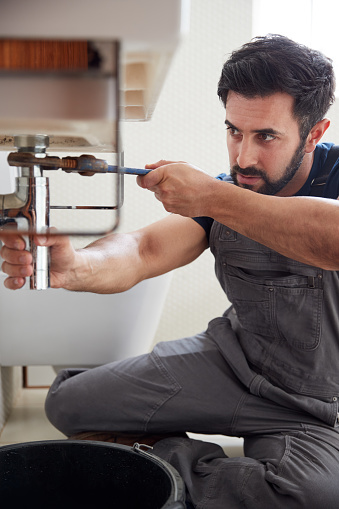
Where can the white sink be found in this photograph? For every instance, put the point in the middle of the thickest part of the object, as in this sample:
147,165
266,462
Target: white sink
57,327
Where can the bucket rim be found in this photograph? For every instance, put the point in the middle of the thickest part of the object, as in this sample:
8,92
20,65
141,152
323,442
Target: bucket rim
177,484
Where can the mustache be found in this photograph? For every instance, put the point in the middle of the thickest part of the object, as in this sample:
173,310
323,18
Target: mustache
250,171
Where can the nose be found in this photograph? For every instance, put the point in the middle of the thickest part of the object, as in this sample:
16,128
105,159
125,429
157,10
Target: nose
248,154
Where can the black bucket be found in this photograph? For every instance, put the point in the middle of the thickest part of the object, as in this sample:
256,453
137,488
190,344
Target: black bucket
84,474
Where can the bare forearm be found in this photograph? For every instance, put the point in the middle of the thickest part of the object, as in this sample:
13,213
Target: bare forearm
303,228
109,265
112,264
116,263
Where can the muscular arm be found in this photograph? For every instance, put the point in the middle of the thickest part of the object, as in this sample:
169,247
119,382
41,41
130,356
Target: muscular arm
114,263
303,228
119,261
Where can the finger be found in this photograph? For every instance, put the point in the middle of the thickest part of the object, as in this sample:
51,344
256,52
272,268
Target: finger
162,162
13,241
14,283
151,180
20,271
16,257
140,181
153,166
50,239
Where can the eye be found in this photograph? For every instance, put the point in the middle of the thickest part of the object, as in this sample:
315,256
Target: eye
232,130
266,137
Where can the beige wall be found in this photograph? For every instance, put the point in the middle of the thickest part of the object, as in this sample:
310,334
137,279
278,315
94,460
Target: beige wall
188,125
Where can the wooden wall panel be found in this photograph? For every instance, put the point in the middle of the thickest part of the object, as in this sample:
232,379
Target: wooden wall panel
43,55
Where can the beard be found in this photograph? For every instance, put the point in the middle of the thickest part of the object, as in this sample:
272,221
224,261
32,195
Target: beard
271,187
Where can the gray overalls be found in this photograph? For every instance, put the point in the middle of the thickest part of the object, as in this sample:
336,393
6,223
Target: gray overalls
268,370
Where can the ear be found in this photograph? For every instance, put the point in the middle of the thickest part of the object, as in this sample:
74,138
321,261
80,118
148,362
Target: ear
315,134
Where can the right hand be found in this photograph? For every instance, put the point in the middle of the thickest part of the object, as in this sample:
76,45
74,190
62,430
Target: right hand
18,262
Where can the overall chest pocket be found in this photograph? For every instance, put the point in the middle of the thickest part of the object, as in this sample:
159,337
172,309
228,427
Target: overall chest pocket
285,308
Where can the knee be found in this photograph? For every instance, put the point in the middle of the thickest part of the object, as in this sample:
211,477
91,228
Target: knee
61,402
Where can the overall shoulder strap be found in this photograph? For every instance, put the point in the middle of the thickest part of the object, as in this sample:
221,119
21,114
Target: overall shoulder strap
318,184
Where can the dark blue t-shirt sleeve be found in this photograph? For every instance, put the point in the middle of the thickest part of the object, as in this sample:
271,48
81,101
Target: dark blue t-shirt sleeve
205,223
332,184
331,190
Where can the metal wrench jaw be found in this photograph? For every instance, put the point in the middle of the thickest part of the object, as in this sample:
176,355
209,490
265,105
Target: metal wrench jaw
86,165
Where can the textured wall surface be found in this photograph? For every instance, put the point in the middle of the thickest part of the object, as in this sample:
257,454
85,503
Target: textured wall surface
10,383
188,125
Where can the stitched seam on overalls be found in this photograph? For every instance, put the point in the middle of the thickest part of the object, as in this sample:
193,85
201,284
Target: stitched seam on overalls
286,455
175,388
248,471
243,476
210,489
236,412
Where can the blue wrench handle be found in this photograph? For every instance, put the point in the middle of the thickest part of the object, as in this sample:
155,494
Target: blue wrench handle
128,171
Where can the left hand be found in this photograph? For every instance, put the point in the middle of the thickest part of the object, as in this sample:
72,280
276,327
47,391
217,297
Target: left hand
182,188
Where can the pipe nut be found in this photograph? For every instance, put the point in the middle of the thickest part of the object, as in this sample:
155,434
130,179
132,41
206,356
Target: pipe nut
35,143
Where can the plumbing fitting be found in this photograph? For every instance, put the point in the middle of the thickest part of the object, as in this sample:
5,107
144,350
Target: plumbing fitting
28,207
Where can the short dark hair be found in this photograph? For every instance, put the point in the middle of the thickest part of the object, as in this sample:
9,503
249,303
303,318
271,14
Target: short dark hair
275,63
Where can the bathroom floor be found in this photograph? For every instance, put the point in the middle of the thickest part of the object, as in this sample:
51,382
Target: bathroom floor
28,423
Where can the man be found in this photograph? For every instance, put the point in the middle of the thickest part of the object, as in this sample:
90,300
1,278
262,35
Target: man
268,369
